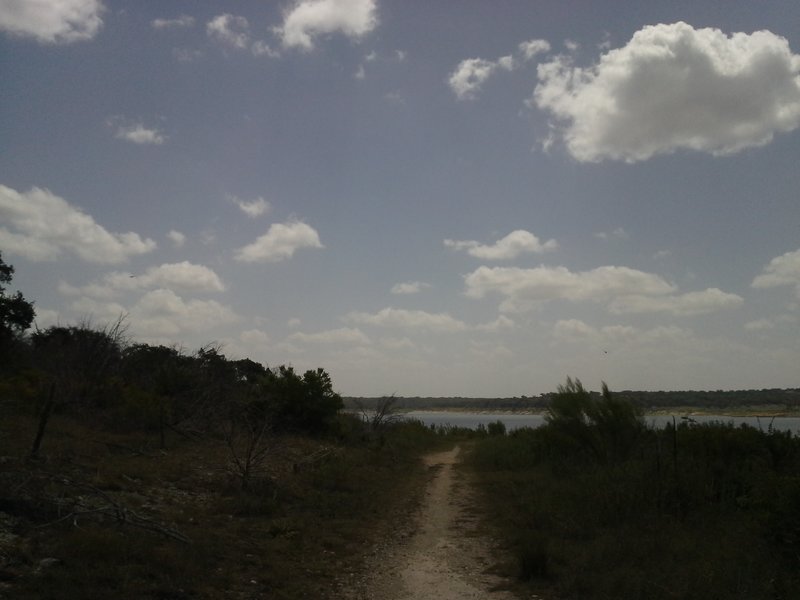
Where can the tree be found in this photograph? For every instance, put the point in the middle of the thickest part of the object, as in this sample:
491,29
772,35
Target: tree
302,404
16,314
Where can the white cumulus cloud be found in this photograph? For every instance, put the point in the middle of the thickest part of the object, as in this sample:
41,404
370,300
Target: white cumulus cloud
40,226
280,242
511,246
674,87
308,19
52,21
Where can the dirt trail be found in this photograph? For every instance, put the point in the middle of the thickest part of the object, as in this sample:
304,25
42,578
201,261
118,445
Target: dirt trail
440,553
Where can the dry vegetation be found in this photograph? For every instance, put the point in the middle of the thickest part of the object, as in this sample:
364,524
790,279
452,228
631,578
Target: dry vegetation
595,505
110,514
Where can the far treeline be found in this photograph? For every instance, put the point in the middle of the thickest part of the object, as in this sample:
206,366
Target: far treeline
788,399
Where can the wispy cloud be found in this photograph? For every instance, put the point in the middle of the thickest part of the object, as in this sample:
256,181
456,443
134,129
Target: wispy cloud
180,22
343,335
469,76
252,208
233,32
180,276
409,287
409,319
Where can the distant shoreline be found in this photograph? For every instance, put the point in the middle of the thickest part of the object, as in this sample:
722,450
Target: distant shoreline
660,411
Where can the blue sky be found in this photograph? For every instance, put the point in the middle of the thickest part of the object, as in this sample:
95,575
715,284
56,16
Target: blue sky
424,198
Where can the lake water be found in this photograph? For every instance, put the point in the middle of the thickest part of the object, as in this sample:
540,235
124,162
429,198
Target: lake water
515,420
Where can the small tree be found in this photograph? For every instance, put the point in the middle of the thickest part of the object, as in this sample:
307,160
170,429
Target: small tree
381,416
249,437
605,427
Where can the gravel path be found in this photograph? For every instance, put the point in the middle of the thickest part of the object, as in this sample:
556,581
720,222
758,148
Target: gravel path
438,553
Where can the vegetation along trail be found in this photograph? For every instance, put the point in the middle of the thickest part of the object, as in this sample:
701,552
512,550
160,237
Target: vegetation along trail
442,553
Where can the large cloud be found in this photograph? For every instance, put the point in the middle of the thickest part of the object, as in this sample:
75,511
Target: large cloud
39,226
523,289
511,246
280,242
409,319
671,87
781,270
310,18
52,21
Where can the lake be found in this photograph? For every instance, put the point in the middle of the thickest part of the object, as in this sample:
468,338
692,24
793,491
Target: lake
513,421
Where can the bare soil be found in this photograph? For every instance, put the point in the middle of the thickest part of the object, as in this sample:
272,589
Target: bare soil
439,550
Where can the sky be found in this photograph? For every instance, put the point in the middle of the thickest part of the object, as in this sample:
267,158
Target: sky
425,198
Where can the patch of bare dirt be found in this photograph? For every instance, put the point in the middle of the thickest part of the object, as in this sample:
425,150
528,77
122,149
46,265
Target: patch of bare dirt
440,552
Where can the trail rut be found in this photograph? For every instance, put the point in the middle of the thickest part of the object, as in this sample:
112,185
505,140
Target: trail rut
439,553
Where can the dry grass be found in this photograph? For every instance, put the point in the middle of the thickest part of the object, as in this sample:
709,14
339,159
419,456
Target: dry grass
289,536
